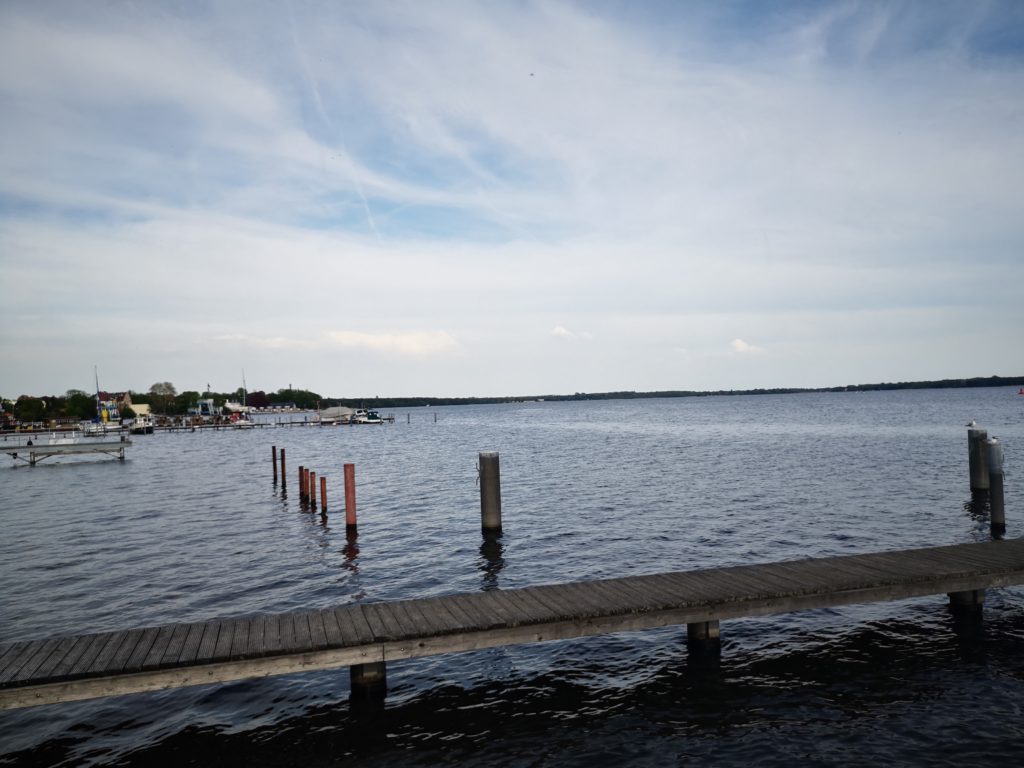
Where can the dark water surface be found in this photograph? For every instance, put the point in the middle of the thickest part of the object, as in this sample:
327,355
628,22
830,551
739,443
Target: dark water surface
190,527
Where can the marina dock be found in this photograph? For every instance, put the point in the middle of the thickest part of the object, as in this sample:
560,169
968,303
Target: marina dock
366,636
33,453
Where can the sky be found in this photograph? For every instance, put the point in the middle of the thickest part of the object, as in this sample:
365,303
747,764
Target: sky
509,198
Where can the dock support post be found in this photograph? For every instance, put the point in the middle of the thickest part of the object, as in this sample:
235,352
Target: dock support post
490,492
970,601
369,682
350,498
283,474
976,439
273,460
302,483
312,490
704,637
323,496
997,514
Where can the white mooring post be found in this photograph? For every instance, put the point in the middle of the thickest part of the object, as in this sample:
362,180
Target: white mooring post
976,458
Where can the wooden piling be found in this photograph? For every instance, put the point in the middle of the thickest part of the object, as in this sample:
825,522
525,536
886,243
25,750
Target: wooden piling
283,474
323,496
273,460
997,513
369,682
703,637
302,482
976,439
312,489
490,491
350,497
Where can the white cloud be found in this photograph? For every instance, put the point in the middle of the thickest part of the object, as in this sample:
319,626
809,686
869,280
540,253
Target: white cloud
561,332
740,347
412,343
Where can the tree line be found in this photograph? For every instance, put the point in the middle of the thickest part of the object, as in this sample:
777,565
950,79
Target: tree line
163,398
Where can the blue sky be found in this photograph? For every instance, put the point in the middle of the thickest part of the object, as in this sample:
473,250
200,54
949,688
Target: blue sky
463,198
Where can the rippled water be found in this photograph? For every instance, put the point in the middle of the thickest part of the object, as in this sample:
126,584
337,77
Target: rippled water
191,527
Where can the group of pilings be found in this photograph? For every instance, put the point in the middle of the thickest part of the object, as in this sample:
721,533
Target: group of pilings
308,488
985,459
369,681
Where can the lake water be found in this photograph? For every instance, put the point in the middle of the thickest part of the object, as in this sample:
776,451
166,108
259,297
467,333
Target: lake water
191,527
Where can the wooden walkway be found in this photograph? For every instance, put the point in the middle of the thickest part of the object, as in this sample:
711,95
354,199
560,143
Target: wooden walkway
367,634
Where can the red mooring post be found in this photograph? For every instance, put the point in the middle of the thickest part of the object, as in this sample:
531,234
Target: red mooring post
350,497
323,496
283,475
312,489
273,460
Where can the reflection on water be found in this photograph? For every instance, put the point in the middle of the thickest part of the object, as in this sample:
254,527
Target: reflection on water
491,561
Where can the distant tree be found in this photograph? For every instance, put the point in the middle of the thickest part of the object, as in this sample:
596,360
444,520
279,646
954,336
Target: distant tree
257,399
29,409
127,412
163,392
183,402
79,405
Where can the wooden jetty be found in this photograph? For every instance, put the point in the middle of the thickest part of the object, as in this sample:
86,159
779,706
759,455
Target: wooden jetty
365,636
32,454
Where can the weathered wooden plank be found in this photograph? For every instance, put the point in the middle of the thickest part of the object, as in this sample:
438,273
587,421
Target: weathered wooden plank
175,645
317,634
240,638
493,600
461,620
193,641
413,618
302,637
150,637
208,644
257,629
101,663
64,665
354,629
286,625
42,652
555,599
479,612
531,610
272,635
381,620
332,629
96,645
128,646
224,639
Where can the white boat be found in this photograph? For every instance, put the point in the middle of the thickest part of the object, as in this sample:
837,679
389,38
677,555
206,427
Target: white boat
338,414
242,421
142,425
364,416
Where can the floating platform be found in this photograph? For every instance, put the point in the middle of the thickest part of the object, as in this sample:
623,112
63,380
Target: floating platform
32,454
365,636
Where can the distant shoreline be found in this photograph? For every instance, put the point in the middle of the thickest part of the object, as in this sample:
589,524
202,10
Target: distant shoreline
407,402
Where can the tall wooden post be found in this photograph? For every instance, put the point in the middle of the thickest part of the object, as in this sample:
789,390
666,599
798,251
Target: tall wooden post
312,489
273,460
350,497
323,496
997,513
976,457
490,492
283,473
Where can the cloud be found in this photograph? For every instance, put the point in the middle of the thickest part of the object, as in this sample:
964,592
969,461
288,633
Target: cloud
561,332
411,344
740,347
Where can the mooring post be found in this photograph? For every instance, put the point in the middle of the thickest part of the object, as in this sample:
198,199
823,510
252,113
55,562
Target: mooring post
302,482
312,490
369,682
976,439
490,491
323,496
350,497
283,475
997,514
273,460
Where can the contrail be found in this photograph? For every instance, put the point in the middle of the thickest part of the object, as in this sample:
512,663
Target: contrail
311,84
